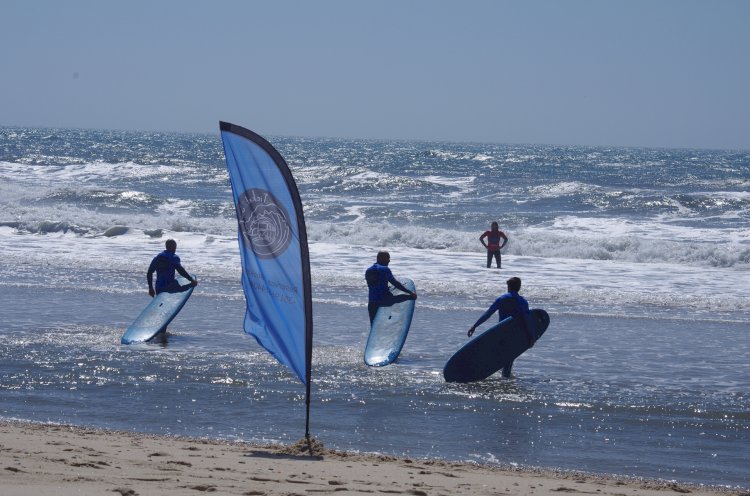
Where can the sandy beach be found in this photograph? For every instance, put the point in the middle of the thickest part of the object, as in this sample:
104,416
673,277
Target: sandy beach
38,459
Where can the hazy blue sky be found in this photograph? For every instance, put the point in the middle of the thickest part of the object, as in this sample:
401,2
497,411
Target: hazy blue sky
637,73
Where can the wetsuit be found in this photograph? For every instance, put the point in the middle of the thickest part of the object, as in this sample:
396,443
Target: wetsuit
510,304
165,264
377,277
493,246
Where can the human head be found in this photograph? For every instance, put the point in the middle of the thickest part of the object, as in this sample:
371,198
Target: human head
494,226
384,257
514,284
171,245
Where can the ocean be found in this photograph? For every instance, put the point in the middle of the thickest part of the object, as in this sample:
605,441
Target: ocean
640,256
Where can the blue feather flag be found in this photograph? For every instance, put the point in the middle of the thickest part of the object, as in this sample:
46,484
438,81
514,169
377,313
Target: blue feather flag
273,247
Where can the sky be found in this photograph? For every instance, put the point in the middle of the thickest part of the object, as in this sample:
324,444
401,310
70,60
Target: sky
654,73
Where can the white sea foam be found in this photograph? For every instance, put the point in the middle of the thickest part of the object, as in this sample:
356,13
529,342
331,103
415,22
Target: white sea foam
451,279
621,246
560,189
85,172
462,185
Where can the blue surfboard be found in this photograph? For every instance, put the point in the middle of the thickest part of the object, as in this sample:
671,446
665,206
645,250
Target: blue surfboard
389,330
157,315
495,348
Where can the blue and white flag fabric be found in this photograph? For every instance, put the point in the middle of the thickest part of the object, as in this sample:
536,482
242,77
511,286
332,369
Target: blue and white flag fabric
273,247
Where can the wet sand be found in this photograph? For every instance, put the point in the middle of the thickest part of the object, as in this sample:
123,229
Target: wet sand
42,459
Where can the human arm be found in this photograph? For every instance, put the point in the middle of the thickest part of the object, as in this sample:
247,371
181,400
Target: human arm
524,315
481,239
401,287
389,277
150,278
486,315
505,239
181,270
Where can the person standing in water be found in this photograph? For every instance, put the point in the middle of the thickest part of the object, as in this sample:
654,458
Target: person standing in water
494,235
378,275
165,264
510,304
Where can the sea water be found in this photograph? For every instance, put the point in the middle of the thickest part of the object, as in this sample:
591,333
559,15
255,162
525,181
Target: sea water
640,256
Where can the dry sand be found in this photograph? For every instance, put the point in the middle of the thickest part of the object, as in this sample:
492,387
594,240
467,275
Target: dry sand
41,460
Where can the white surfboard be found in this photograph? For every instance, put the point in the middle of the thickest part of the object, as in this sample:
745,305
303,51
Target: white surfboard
389,330
157,315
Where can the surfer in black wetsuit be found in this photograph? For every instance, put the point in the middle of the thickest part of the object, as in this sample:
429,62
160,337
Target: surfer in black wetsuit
510,304
165,264
378,275
494,235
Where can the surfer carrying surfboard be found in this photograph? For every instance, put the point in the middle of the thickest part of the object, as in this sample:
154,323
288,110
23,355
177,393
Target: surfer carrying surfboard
509,304
165,264
494,235
378,275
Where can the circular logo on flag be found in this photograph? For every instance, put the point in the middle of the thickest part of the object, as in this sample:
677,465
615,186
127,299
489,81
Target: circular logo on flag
264,223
